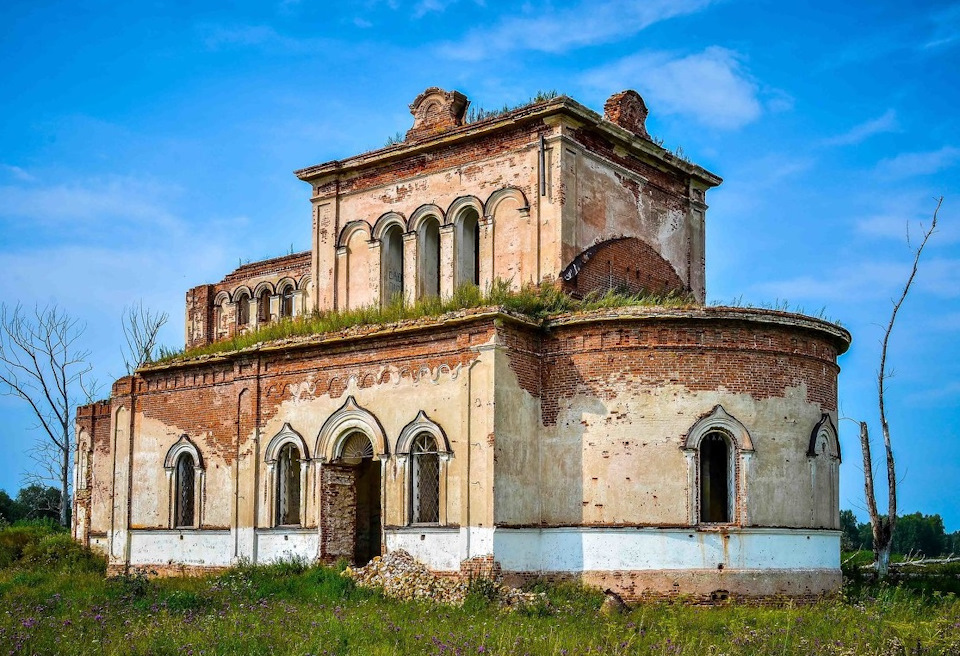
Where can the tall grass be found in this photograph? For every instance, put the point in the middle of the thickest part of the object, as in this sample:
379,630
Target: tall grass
535,302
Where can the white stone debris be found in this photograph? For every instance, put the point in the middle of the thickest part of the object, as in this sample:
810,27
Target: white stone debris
400,576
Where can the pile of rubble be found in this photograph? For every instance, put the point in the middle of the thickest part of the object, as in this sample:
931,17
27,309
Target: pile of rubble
400,576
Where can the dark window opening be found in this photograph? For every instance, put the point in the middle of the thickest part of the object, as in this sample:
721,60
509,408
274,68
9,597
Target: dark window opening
288,486
243,310
264,307
714,480
425,481
185,489
286,302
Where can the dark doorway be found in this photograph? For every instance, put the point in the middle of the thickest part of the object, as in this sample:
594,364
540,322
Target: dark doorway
714,477
367,544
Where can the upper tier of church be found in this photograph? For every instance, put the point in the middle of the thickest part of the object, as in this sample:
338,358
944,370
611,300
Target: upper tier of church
549,192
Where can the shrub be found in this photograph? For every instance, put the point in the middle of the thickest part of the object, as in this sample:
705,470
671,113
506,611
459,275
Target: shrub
14,540
61,553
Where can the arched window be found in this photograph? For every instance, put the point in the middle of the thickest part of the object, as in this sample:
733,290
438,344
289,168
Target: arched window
288,485
718,450
263,307
286,302
468,248
243,309
425,480
391,265
185,494
185,476
714,479
429,256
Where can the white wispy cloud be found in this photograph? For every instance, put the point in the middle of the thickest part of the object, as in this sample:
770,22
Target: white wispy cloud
860,133
18,173
109,200
548,29
221,37
907,165
711,87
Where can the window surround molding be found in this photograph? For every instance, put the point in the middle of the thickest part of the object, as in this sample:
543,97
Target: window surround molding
740,454
287,435
824,439
348,419
420,425
184,446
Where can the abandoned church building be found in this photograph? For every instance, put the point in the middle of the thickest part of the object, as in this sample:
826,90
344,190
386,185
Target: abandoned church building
653,450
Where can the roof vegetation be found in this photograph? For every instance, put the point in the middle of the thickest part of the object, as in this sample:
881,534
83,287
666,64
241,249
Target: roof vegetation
536,303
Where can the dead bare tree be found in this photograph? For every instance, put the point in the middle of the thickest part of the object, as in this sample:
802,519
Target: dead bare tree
140,328
42,363
883,527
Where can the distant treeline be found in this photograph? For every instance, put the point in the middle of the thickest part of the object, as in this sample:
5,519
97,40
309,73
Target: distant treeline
32,502
916,534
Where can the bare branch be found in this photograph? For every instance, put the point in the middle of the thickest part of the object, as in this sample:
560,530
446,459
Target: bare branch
140,328
42,364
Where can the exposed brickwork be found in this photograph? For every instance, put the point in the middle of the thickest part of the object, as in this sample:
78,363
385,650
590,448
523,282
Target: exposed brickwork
338,535
626,264
480,567
627,110
294,265
202,399
761,361
445,156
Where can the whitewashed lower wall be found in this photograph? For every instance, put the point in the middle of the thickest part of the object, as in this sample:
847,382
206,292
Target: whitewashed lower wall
440,549
276,545
578,549
205,548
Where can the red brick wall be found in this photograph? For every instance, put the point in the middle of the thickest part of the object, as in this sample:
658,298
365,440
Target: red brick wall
762,360
627,264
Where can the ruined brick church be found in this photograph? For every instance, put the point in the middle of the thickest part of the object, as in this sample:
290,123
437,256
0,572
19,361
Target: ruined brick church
651,450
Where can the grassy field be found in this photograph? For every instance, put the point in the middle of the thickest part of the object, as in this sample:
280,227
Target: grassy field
54,599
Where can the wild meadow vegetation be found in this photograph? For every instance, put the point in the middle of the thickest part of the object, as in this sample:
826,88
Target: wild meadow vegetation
55,599
533,302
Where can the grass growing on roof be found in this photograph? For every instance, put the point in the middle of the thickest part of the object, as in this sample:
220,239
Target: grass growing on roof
537,303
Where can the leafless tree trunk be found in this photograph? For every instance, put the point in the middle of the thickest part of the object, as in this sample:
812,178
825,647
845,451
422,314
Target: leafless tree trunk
140,328
883,527
42,364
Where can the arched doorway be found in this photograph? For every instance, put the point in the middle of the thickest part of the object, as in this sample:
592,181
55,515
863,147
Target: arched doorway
357,453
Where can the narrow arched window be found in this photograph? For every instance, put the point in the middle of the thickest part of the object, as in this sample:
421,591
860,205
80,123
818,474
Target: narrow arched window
286,302
185,488
714,479
263,306
429,252
243,309
468,248
288,485
391,265
425,481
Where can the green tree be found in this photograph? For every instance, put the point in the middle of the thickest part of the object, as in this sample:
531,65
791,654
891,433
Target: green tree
920,534
39,501
10,510
850,538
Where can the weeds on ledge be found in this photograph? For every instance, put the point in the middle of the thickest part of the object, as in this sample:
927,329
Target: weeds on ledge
535,302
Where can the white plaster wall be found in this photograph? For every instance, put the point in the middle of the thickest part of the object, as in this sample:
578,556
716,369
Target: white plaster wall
617,549
437,548
203,548
278,545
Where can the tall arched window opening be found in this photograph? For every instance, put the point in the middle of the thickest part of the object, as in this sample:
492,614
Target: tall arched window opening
184,515
468,248
425,481
286,302
391,265
714,479
243,309
263,307
288,486
429,252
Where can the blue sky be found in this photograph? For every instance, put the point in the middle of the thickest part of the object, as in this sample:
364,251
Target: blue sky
148,147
